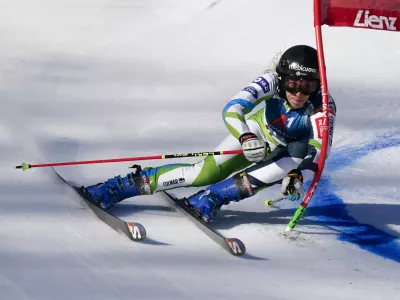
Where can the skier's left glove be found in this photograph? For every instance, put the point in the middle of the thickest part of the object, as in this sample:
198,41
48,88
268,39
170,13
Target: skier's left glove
292,185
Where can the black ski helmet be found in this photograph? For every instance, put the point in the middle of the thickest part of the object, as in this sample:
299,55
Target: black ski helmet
299,61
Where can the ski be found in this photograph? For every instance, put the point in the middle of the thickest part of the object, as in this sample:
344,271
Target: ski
134,231
233,245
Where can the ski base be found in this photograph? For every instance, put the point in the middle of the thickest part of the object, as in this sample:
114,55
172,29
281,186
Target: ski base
134,231
233,245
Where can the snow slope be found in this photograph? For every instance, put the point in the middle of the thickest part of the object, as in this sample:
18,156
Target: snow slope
118,78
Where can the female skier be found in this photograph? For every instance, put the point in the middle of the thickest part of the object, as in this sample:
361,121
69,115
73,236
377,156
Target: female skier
276,120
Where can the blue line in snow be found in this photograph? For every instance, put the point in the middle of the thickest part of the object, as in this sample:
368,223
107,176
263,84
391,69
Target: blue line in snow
330,209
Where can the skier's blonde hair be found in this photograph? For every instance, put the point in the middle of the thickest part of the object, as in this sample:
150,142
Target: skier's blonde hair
274,62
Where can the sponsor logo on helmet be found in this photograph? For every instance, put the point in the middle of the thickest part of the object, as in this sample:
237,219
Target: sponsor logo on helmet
298,73
252,91
263,83
375,22
301,68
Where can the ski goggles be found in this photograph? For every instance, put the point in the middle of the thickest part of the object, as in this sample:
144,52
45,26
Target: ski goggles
295,85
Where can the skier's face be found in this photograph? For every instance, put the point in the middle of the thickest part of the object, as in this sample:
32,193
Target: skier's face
297,100
299,90
294,85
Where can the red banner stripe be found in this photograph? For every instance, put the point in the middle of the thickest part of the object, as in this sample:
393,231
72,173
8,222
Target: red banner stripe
370,4
378,15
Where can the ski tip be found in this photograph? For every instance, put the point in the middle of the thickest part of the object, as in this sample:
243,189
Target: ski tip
236,246
138,232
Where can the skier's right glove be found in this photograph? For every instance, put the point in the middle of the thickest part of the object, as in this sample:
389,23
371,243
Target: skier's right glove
253,148
292,185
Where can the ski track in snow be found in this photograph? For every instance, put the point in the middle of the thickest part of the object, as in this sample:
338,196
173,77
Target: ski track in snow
331,210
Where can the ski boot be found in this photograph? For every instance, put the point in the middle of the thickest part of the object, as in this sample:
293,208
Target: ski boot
208,202
114,190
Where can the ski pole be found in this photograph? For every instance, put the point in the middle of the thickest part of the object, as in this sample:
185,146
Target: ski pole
271,202
25,166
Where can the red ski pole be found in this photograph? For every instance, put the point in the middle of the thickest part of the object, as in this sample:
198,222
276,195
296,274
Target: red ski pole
25,166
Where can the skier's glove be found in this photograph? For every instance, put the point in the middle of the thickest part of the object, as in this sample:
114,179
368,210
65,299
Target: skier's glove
253,148
292,185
